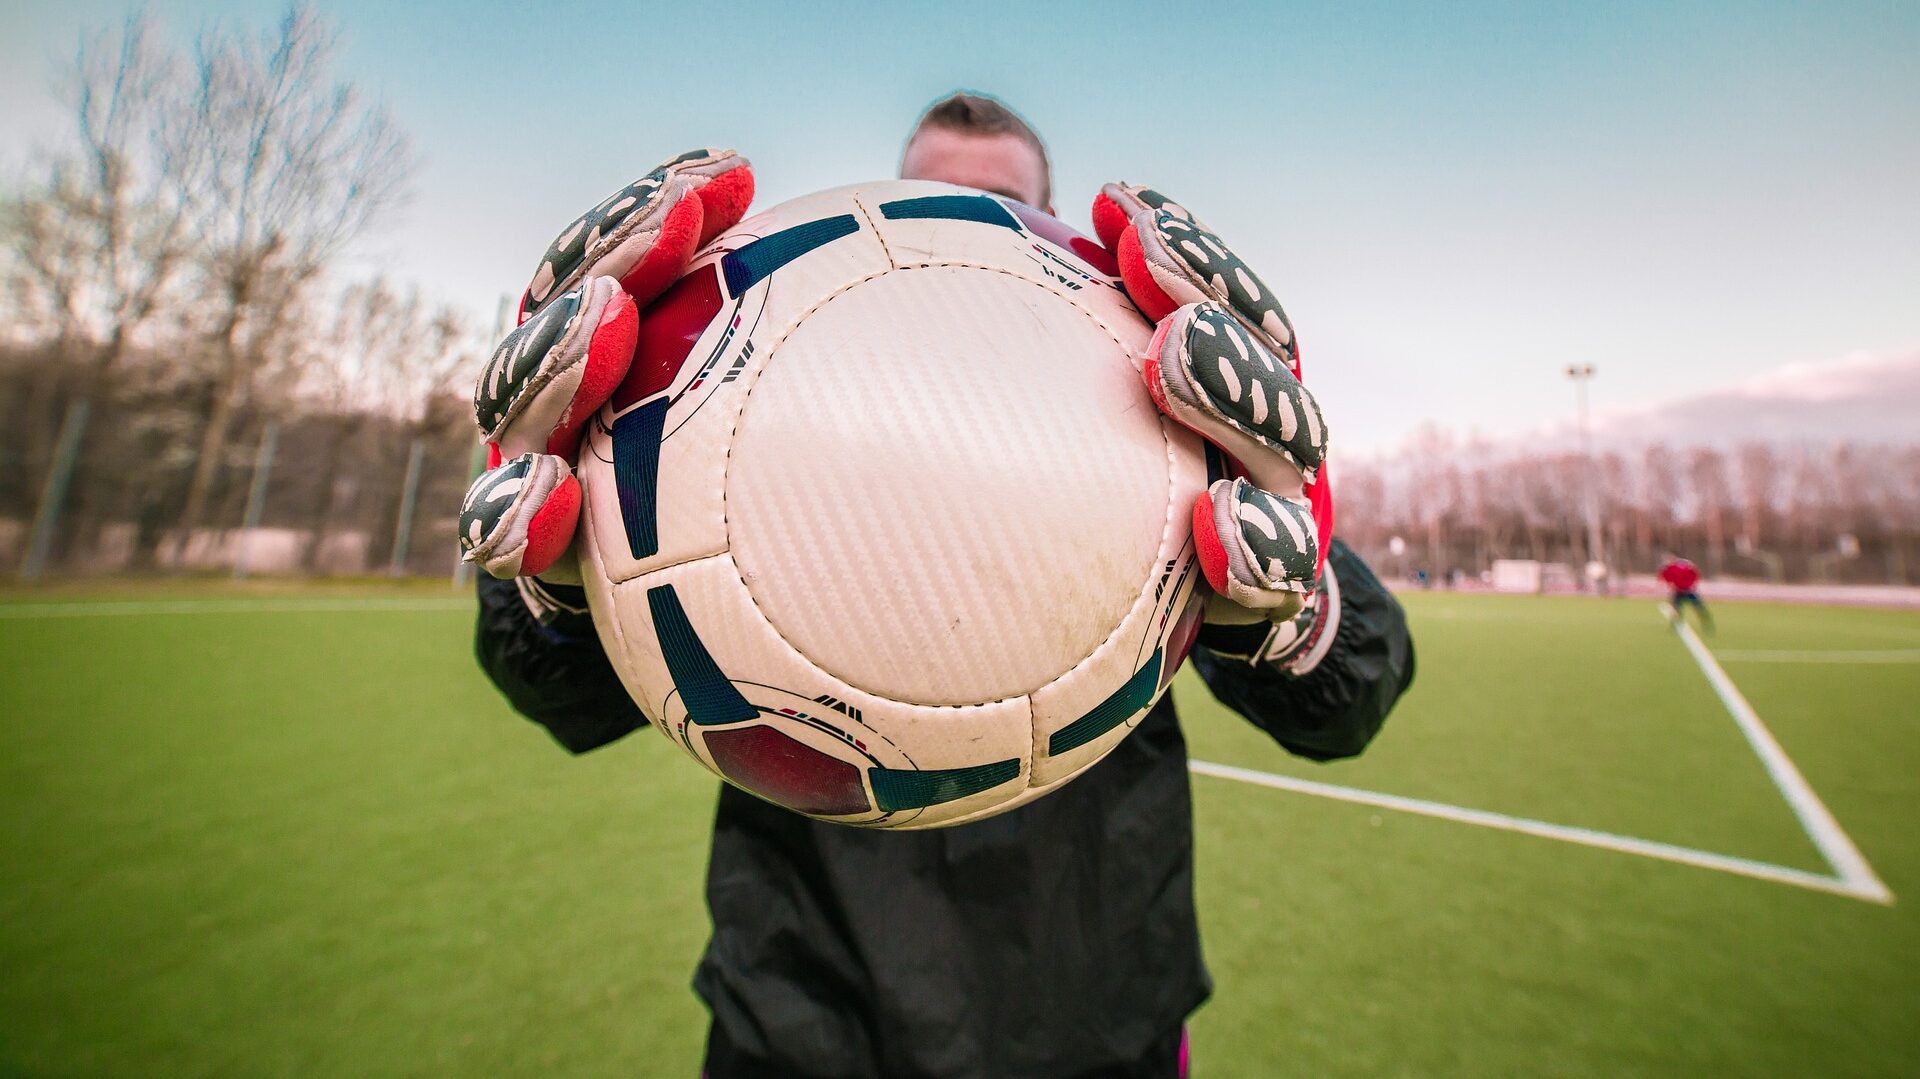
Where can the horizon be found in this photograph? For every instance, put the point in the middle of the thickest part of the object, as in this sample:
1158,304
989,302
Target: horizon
1687,200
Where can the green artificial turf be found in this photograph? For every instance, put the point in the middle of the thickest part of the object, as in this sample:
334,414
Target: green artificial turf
255,838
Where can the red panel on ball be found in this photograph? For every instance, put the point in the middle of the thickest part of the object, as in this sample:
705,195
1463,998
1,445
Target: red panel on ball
1055,231
787,771
1186,630
668,330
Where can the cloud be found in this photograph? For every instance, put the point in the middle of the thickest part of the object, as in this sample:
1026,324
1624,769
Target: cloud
1856,376
1859,397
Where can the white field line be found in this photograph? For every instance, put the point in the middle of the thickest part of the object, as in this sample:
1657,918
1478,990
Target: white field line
1854,877
1837,655
1586,837
126,608
1835,846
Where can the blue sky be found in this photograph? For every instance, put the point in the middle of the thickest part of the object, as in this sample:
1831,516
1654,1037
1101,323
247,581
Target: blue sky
1453,200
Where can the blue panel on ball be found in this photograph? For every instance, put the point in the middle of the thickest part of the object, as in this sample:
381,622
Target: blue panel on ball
759,259
709,697
1218,467
979,208
906,788
636,474
1110,713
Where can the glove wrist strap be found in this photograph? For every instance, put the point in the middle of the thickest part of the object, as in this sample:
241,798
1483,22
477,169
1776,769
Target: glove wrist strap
548,602
1297,646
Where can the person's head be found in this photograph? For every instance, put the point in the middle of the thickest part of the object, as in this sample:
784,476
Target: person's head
975,141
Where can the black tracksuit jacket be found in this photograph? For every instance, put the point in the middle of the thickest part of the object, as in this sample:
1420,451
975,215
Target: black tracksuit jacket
1057,940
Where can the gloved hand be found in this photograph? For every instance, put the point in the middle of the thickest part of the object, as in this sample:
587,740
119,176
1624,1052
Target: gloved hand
1224,363
579,321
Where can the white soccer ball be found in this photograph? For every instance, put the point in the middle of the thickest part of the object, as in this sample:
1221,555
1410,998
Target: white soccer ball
883,526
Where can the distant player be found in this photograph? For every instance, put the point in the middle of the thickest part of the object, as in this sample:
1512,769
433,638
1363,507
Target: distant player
1682,578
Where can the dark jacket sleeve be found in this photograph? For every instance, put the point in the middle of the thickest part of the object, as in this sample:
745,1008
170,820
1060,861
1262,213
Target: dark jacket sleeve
1336,709
555,674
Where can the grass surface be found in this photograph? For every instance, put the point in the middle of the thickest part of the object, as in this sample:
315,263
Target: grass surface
278,841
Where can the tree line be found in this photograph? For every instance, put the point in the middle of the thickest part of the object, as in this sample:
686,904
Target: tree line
1808,511
173,274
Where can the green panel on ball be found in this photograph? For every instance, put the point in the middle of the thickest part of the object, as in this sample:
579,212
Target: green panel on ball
902,788
1129,699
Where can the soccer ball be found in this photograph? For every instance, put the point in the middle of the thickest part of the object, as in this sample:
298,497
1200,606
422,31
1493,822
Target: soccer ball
882,525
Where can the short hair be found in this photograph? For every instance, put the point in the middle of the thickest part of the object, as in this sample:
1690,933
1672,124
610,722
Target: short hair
979,114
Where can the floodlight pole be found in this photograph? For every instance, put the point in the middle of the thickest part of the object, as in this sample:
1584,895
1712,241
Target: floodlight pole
1582,374
502,322
463,569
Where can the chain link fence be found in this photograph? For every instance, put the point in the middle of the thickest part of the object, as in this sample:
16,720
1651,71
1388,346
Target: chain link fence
94,483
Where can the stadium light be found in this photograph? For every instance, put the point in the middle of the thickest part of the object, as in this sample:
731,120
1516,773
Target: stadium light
1582,374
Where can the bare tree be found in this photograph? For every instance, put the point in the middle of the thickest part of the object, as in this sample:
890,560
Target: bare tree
125,93
1707,474
293,168
383,354
1614,480
1778,509
96,245
1759,473
385,350
99,243
1901,509
1664,486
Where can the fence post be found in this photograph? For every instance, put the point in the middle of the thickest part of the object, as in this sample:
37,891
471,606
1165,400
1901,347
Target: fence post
409,492
463,569
503,321
256,496
53,494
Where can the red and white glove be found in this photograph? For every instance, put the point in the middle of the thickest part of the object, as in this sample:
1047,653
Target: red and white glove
1224,363
579,323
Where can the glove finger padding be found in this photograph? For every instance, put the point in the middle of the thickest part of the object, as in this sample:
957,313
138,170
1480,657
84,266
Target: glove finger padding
534,398
1168,258
550,375
1259,544
1256,548
644,234
519,517
1206,370
578,325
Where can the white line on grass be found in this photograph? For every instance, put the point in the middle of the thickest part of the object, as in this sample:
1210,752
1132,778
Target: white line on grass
1853,877
1836,655
1586,837
123,608
1835,846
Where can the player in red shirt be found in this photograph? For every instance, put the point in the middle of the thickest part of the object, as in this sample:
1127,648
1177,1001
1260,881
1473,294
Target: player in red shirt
1683,578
